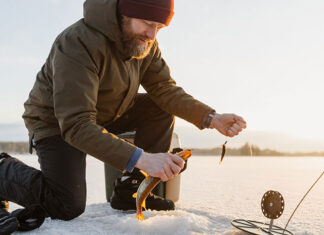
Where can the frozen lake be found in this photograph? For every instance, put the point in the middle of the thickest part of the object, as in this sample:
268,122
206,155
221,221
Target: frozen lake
211,196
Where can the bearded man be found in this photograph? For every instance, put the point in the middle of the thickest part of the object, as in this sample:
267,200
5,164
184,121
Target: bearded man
86,94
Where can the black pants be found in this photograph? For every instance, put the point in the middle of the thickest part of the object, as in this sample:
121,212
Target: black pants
60,187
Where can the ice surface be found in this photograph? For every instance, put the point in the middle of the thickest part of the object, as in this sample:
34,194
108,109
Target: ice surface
211,196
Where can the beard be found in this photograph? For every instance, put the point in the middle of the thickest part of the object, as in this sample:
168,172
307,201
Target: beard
135,45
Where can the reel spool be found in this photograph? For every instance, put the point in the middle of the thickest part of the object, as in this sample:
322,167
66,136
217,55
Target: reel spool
272,206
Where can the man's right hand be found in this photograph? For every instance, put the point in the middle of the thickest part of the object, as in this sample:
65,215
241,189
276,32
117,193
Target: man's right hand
162,165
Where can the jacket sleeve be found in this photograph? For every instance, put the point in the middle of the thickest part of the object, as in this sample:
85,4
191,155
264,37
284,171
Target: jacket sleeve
168,96
75,91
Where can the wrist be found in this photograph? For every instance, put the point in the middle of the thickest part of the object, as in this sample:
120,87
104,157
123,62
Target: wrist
139,163
133,160
211,116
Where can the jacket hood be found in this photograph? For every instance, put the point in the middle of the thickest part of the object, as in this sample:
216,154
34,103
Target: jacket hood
102,16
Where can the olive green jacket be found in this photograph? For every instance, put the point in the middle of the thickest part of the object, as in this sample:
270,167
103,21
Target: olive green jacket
88,82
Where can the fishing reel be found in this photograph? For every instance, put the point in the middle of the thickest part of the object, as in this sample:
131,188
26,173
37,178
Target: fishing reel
272,206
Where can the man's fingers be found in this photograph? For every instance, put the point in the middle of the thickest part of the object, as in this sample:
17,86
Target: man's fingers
177,160
175,169
167,169
236,127
240,121
230,133
163,165
173,166
229,124
234,131
168,173
163,177
238,118
241,124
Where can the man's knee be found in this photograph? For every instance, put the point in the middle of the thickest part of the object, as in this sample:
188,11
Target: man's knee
64,207
71,211
74,213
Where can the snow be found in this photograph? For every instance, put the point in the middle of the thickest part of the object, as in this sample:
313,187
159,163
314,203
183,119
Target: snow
211,196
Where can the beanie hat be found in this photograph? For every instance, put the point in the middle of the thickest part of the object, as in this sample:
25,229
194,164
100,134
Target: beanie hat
154,10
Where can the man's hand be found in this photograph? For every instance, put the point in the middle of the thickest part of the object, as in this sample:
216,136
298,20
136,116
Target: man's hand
228,124
162,165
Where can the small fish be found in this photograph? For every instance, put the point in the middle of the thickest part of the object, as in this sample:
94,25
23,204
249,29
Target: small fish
148,185
223,152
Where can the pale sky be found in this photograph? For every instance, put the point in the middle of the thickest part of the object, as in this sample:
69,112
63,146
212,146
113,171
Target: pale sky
261,59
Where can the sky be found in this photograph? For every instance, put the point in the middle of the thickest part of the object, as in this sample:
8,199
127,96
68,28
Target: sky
263,60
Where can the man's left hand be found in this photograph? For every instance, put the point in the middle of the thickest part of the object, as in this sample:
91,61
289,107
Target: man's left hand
228,124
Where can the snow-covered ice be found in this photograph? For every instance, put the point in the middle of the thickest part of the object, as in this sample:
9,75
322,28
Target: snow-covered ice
211,196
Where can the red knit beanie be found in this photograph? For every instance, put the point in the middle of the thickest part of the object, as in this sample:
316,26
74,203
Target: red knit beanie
154,10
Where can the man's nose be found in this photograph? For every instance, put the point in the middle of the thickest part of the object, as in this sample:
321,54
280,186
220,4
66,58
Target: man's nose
151,33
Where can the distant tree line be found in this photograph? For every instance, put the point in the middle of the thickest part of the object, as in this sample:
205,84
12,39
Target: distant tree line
14,147
251,150
245,150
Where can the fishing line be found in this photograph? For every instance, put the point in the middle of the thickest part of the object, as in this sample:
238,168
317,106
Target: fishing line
261,227
302,201
250,145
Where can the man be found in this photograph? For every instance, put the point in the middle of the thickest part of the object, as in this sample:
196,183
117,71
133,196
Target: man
87,93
